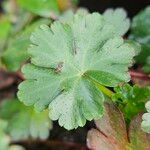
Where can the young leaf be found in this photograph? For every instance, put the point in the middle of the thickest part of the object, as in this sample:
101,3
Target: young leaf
40,7
23,121
67,60
16,53
118,18
131,100
146,118
140,32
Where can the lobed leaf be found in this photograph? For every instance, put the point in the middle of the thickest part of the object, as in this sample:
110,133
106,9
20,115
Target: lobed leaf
68,15
17,47
98,141
140,32
40,7
118,17
23,121
111,133
66,61
139,140
112,124
146,119
5,139
131,100
136,46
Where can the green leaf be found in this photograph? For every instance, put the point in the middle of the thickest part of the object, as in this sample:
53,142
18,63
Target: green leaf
146,118
75,2
118,17
146,67
131,100
68,15
15,147
142,58
136,46
5,139
140,25
5,26
66,61
40,7
140,32
16,52
23,121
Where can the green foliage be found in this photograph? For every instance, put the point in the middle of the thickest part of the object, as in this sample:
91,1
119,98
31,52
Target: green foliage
5,140
23,121
146,118
73,64
118,17
5,26
136,46
62,76
131,100
146,67
16,53
40,7
140,26
140,32
75,2
67,16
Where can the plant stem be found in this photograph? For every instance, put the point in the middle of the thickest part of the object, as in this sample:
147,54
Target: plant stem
105,90
139,75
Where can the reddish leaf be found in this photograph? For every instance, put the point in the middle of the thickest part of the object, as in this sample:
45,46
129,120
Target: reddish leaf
97,141
112,124
139,140
111,133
